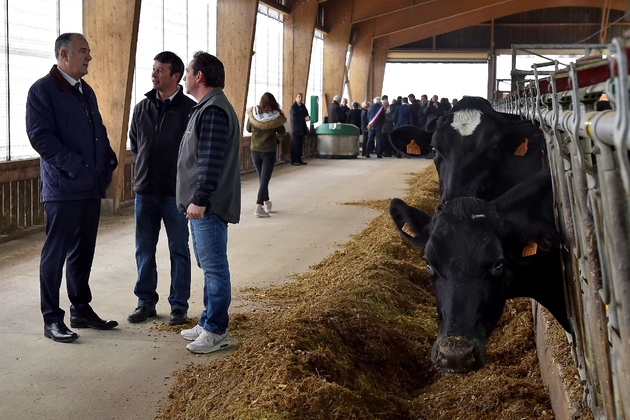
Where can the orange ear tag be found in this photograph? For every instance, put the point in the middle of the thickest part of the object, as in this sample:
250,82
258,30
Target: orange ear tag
413,148
530,249
408,230
522,148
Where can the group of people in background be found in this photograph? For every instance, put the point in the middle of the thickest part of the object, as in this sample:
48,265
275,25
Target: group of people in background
378,119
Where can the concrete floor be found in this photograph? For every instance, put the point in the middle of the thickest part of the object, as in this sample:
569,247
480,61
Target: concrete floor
126,373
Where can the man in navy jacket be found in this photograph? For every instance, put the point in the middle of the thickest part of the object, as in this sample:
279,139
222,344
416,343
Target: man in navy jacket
65,127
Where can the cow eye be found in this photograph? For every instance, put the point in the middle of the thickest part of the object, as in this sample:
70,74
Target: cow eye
497,268
430,269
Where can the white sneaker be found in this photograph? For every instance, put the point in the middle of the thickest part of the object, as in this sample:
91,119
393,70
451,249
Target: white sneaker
267,207
193,333
261,213
208,342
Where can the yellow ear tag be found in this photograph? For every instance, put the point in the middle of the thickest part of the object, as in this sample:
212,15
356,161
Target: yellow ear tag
408,230
530,249
522,148
413,148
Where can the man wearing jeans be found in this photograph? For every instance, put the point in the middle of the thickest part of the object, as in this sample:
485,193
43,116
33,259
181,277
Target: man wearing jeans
156,130
209,194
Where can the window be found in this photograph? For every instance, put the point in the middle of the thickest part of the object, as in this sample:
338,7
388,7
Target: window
266,69
27,44
182,28
316,74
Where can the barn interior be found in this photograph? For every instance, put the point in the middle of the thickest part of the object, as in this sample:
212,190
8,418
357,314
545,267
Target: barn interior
357,39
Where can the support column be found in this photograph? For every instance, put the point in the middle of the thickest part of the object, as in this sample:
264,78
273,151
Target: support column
338,19
299,29
236,28
361,64
381,49
111,28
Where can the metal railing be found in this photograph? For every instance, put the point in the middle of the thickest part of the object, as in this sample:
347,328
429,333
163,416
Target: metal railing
588,153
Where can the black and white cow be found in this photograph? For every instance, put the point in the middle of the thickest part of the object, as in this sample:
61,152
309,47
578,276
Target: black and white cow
481,253
479,152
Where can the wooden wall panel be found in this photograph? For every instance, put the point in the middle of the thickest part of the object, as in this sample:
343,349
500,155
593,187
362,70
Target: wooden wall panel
236,27
299,28
338,20
360,73
111,28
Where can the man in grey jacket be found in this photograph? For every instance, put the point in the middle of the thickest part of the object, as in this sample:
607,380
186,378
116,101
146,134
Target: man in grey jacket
208,192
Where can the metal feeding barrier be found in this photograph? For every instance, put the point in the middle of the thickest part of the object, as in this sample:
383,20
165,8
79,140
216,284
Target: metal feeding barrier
588,154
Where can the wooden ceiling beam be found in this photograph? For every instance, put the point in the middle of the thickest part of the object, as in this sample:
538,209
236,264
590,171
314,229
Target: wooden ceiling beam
450,15
402,30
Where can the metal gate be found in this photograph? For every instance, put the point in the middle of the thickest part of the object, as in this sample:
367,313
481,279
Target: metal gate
588,153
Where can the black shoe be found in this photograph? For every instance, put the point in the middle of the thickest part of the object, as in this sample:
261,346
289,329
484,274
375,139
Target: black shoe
57,331
367,156
379,157
303,163
141,313
296,164
92,321
178,317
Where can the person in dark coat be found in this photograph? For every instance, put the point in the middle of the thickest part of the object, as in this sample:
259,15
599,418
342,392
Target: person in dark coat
65,127
354,115
402,114
364,126
299,117
388,126
155,133
334,111
344,109
375,125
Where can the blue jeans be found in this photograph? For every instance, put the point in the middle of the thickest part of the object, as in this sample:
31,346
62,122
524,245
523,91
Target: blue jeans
264,163
150,210
210,245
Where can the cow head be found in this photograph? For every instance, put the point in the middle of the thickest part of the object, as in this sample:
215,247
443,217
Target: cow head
475,255
479,153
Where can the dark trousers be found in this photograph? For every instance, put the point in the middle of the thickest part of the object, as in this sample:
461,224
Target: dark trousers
388,150
296,148
71,228
264,163
374,135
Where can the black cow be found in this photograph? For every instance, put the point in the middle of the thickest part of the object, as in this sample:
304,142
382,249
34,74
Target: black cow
481,253
479,152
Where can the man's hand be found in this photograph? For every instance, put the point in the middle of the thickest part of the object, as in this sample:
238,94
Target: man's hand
194,212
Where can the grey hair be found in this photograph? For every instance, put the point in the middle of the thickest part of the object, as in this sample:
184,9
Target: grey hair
64,42
377,100
336,98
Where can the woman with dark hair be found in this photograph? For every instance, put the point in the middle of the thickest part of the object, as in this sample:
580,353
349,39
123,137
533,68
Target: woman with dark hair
265,121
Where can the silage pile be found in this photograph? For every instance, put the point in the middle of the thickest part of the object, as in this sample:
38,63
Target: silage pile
352,339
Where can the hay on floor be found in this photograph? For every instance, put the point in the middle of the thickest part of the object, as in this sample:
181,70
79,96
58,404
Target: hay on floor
352,339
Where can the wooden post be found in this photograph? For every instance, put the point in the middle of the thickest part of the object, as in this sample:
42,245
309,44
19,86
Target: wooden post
299,28
338,19
361,64
381,48
236,28
111,28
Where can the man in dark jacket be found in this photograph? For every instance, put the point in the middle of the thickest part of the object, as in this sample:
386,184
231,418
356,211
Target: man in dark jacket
299,129
376,118
334,111
65,127
155,132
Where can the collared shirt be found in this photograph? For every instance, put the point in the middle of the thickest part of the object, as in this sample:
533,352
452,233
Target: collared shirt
71,80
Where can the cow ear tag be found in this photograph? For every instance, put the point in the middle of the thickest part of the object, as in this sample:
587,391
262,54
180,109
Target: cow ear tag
522,148
407,229
413,148
530,249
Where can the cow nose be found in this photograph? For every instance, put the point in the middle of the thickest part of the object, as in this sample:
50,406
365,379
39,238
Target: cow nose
457,354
